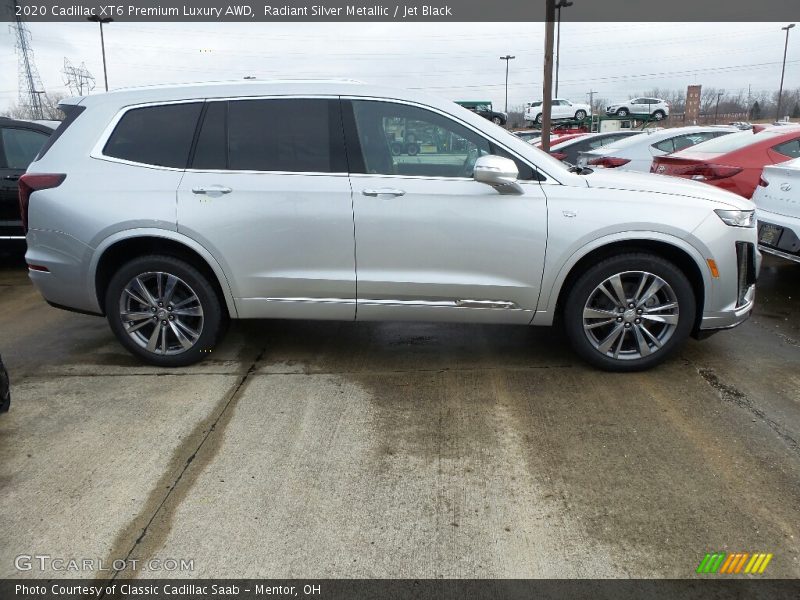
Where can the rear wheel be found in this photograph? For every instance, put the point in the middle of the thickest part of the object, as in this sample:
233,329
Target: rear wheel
580,115
538,119
497,120
164,311
629,312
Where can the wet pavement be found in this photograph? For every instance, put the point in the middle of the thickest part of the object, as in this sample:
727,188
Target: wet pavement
417,450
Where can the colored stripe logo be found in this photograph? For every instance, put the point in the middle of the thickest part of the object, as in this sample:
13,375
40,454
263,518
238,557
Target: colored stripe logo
734,563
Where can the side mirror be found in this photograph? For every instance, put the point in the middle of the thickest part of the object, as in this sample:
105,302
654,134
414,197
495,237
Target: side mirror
499,172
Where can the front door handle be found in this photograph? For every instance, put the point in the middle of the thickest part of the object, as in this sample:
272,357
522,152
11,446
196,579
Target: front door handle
212,190
11,177
383,192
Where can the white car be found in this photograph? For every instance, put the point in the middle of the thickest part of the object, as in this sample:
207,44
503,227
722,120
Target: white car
777,200
562,109
636,153
656,108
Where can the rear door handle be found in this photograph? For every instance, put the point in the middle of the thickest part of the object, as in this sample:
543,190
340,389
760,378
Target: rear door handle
212,190
11,177
383,192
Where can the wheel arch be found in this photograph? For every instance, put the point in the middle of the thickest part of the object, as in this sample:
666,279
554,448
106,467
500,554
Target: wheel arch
684,256
120,248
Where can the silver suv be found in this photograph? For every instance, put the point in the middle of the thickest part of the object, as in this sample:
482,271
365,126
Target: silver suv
172,209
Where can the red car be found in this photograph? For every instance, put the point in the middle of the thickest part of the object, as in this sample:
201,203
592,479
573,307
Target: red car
732,162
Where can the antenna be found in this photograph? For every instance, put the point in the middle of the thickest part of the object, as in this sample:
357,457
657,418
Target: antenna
31,89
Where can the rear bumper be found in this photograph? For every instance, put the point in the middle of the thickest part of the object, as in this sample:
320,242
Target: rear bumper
788,244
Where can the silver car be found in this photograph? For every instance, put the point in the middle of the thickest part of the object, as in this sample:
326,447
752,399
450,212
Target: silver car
171,209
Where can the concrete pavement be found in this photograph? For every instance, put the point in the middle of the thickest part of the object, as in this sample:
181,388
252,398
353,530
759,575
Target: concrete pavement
398,450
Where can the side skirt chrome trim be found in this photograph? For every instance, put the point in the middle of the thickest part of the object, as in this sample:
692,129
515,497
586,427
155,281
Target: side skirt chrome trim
492,304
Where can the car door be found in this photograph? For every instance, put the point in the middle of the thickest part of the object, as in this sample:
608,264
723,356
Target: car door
561,109
432,243
267,193
18,147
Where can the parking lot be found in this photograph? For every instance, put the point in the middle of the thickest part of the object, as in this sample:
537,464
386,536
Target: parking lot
415,450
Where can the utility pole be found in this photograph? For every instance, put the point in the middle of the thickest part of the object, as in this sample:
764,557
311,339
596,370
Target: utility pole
591,94
783,69
507,58
102,21
547,86
716,110
561,4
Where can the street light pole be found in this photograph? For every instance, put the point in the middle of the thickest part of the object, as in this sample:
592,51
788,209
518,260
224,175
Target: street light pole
783,69
102,21
561,4
507,58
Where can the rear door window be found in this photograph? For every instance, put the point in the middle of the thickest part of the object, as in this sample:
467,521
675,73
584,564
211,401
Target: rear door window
790,148
155,135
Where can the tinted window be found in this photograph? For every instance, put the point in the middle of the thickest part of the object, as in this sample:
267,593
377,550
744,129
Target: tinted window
397,139
296,135
212,148
155,135
790,148
20,146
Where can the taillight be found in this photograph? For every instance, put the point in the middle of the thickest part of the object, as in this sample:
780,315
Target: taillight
32,182
609,162
559,155
762,182
707,172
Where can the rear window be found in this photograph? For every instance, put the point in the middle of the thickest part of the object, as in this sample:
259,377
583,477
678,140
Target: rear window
732,142
20,146
155,135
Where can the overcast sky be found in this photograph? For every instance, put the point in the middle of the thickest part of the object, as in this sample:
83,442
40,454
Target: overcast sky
456,61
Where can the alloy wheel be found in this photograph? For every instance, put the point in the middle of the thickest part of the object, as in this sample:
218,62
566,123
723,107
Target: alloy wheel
631,315
161,313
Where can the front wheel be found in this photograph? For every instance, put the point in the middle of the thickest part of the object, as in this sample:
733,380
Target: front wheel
497,120
629,312
659,115
623,112
164,311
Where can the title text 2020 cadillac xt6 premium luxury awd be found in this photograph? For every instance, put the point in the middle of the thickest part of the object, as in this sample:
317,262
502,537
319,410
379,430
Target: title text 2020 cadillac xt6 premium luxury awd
172,209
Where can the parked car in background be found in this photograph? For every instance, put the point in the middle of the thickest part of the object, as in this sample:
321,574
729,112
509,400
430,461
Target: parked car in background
20,141
5,388
171,209
567,150
636,153
528,135
777,200
562,109
557,138
484,109
735,162
655,108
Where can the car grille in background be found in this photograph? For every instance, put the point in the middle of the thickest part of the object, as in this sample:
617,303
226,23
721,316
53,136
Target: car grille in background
746,267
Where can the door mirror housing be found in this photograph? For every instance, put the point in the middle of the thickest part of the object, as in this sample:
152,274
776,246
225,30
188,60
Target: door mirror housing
499,172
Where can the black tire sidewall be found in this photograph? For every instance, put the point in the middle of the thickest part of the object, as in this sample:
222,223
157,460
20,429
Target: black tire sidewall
623,112
589,280
213,318
580,112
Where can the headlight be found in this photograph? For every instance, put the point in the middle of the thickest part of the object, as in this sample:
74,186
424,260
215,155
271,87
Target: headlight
737,218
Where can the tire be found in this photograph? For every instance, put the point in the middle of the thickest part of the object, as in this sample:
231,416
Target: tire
538,119
642,335
580,115
623,112
659,115
412,149
397,148
185,327
497,120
